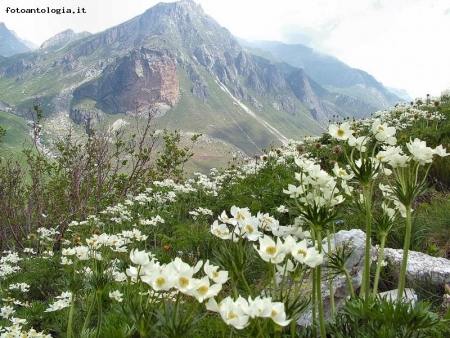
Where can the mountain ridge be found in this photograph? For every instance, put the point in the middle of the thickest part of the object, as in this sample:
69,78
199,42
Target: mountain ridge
180,63
342,79
10,43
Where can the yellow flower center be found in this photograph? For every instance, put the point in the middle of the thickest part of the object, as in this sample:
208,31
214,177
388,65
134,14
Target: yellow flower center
202,289
160,281
380,128
249,228
274,313
340,132
271,250
184,282
240,216
231,315
215,274
301,252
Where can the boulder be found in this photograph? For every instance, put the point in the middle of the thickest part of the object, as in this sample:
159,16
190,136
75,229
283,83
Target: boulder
356,239
421,268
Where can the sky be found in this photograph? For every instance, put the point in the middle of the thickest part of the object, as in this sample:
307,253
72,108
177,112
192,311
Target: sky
403,43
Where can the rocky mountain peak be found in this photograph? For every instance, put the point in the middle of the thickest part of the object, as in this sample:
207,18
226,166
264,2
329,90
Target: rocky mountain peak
63,38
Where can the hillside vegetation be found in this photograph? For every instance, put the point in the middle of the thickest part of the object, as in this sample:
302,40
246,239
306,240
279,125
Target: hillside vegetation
108,238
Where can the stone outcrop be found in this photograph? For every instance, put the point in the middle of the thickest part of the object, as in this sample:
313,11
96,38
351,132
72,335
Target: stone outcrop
136,82
303,88
421,268
356,240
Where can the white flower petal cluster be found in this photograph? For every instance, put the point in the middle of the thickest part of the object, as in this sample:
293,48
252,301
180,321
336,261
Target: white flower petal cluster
62,302
116,295
176,275
17,331
237,313
340,131
383,132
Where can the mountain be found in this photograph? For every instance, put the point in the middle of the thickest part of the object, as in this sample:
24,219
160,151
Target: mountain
401,93
330,72
62,39
179,62
10,44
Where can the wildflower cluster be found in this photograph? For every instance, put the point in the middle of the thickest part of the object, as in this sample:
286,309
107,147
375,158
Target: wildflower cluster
176,275
237,313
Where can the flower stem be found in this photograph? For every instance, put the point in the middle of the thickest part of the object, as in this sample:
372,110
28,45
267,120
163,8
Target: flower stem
88,316
69,324
401,282
349,283
319,288
380,259
365,286
333,308
99,315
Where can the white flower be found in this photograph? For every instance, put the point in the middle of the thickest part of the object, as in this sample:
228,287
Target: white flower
249,229
203,290
116,295
269,251
359,143
383,133
420,152
305,255
219,277
58,305
7,311
220,230
234,313
139,257
278,314
294,191
259,307
282,209
339,172
341,131
441,151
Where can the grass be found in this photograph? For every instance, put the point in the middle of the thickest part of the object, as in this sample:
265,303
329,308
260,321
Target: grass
17,135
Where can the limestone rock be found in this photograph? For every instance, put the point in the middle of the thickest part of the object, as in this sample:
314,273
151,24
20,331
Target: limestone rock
421,267
137,81
356,239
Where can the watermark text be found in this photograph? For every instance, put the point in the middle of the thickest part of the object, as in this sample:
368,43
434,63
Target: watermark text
46,10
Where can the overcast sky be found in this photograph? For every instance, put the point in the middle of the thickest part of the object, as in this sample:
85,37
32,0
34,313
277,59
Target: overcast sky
403,43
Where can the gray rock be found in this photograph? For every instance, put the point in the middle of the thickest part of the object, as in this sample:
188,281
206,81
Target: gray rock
356,239
421,268
409,295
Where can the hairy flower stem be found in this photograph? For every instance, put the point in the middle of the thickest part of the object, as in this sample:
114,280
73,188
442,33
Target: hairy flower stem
277,330
69,324
365,286
88,316
380,260
318,282
333,308
274,279
408,225
99,310
349,283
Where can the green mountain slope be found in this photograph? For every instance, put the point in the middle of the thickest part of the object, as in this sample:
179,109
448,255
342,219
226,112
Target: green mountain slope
179,63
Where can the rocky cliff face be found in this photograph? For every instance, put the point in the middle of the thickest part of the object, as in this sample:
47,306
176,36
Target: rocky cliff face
136,81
